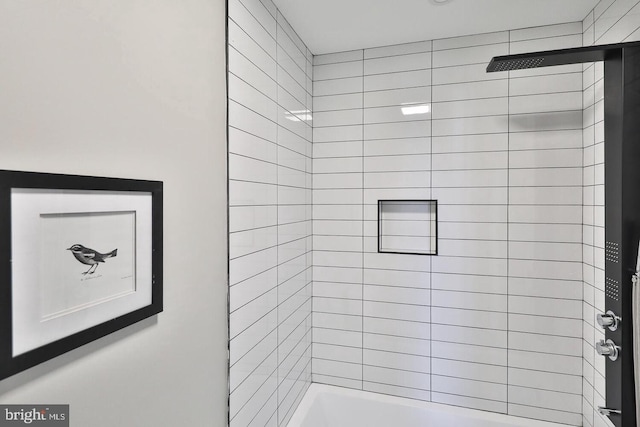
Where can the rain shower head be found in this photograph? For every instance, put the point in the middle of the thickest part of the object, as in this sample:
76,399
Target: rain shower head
549,58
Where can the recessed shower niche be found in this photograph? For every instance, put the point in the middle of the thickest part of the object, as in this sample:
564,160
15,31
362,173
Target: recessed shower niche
408,227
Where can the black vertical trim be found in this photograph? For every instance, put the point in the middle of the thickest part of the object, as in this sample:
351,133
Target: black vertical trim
622,219
630,219
613,105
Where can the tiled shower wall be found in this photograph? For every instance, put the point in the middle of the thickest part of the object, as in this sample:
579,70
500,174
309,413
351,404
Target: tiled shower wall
609,22
269,215
494,321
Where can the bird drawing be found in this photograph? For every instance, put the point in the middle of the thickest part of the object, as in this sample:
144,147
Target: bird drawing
90,257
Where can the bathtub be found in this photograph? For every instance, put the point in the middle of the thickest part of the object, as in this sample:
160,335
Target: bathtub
329,406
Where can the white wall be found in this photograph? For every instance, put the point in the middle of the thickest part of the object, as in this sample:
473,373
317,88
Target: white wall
611,21
269,214
135,90
494,321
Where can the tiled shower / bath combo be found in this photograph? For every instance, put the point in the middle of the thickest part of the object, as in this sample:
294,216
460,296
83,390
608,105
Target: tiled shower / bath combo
502,318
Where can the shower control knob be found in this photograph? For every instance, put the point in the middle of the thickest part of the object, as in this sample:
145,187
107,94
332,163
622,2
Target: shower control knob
608,320
608,348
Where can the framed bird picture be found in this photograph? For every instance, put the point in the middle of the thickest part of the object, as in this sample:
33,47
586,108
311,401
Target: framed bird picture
80,258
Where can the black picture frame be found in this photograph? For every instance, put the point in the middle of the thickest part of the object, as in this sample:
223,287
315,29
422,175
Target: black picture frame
9,180
434,205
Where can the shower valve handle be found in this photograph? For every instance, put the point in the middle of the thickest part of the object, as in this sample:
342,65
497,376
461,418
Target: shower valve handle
608,320
608,348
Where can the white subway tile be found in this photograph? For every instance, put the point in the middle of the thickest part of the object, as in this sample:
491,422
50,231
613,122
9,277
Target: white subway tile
469,178
330,327
397,163
546,84
469,300
563,120
406,79
545,343
337,369
337,352
469,402
263,13
464,74
537,287
328,212
337,259
549,214
254,19
541,176
473,90
338,133
340,70
545,196
570,101
469,370
333,58
412,146
409,96
242,118
473,40
473,161
471,196
397,391
397,295
399,49
470,353
545,140
392,114
545,362
467,335
546,31
393,327
337,118
336,102
411,129
571,309
546,380
261,52
389,360
385,65
550,43
464,283
339,275
397,263
472,230
471,125
468,55
470,388
336,381
470,108
414,313
337,86
471,318
400,378
545,399
334,336
397,344
470,143
337,149
545,414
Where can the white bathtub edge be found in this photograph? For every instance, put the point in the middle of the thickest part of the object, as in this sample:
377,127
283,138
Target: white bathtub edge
318,389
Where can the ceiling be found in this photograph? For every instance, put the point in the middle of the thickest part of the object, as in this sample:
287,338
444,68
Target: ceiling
338,25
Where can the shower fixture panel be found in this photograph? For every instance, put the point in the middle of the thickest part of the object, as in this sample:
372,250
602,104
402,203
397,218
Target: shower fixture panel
622,208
